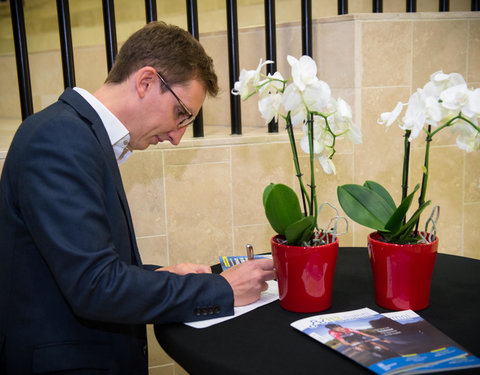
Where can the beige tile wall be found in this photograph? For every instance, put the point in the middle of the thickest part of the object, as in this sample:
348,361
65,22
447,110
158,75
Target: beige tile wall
202,199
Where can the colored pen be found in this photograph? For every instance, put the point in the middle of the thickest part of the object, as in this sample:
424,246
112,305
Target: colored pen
250,254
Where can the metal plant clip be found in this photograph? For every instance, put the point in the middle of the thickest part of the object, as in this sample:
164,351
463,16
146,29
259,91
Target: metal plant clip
430,235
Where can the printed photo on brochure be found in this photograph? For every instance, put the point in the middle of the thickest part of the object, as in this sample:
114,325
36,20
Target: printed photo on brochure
393,343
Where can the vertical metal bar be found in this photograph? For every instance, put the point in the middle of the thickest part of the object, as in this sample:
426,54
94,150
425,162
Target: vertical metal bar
342,7
443,5
411,6
377,6
21,57
192,22
233,64
65,31
110,32
151,10
307,27
271,48
475,6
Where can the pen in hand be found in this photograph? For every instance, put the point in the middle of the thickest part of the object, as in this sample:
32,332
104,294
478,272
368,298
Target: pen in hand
250,254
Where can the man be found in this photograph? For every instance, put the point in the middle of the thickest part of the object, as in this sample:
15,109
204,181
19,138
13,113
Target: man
74,295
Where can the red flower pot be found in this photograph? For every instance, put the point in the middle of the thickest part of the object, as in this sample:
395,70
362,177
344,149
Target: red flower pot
305,275
402,274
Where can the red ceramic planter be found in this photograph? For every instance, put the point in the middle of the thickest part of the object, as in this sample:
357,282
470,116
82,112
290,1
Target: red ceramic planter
402,274
305,275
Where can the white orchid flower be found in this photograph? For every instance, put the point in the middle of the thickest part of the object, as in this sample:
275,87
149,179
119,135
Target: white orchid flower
317,146
443,81
269,106
455,97
414,118
292,102
472,107
304,71
433,110
469,138
388,118
460,98
248,80
327,164
341,122
316,95
242,86
272,84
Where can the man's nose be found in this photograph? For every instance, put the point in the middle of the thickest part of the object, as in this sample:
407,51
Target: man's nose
176,135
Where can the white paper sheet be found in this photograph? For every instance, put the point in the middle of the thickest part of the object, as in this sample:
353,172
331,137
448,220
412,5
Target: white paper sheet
270,295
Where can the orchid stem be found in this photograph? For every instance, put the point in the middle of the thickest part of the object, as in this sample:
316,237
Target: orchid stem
313,202
421,199
406,161
291,136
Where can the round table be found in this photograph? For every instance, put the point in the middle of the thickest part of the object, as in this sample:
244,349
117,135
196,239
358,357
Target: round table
263,342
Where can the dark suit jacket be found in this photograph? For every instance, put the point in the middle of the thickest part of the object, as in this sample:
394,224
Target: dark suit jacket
73,291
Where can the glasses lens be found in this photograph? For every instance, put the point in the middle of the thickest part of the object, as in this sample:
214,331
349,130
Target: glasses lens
189,120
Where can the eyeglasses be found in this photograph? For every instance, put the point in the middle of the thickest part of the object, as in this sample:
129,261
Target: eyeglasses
190,116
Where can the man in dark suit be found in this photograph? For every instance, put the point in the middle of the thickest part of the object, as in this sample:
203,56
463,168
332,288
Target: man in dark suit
74,295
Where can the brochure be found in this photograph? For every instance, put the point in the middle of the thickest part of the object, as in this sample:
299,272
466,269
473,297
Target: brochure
393,343
230,261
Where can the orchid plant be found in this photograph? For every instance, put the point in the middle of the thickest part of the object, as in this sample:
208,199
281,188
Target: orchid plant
444,102
303,100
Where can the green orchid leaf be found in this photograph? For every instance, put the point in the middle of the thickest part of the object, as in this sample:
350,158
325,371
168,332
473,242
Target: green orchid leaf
300,231
267,191
364,206
396,220
404,233
380,190
282,207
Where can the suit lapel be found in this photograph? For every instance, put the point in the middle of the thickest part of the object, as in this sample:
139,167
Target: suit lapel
86,111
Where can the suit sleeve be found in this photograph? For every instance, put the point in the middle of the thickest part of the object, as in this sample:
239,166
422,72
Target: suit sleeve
62,198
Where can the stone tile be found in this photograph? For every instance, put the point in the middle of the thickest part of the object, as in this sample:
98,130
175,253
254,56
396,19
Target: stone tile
179,370
216,111
472,177
253,168
156,355
257,235
9,98
334,51
438,45
471,233
327,192
197,156
444,184
142,176
153,250
162,370
46,78
289,42
380,156
474,52
386,61
90,67
199,213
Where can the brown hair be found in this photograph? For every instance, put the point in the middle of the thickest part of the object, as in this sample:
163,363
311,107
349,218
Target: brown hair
170,50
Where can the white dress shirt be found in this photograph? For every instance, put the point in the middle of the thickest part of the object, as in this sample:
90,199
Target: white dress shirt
117,132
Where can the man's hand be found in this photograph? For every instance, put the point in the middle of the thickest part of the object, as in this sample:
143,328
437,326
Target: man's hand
184,268
249,279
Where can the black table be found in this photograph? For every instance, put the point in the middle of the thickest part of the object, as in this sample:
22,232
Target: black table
262,341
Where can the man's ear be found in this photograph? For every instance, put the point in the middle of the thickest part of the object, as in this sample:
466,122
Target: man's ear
144,79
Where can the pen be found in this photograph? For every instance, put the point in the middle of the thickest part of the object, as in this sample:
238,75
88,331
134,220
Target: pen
250,254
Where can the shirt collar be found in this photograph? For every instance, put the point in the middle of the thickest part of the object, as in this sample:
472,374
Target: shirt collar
117,132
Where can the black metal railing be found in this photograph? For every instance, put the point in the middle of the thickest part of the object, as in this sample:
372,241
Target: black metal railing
21,51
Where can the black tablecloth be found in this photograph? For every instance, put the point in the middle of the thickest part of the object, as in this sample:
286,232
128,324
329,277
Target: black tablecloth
262,341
